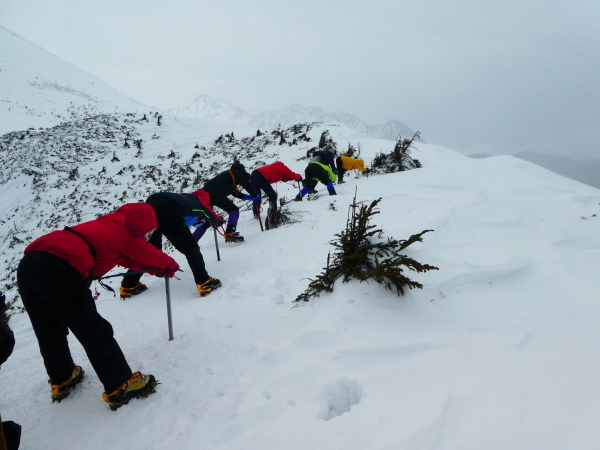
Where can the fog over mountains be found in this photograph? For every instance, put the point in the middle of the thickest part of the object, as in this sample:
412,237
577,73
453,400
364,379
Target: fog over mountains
38,89
205,107
585,171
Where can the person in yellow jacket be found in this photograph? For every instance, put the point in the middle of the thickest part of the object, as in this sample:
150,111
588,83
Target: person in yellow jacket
345,163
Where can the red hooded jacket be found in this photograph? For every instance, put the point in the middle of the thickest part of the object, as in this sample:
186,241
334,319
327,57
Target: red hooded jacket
116,237
278,171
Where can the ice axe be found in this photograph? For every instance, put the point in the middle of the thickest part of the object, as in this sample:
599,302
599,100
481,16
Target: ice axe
217,244
169,317
257,205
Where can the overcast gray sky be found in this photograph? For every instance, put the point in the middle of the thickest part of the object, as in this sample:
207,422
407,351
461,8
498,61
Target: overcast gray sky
495,76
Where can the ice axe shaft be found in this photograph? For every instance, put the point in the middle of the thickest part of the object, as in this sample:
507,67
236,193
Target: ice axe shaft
217,245
257,205
169,317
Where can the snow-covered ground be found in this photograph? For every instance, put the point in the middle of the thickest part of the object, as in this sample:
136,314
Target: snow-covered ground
498,351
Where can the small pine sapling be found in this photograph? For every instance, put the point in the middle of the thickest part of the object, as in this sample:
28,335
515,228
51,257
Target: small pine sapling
359,254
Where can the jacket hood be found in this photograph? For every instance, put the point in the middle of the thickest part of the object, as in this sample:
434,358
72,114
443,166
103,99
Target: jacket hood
240,168
139,218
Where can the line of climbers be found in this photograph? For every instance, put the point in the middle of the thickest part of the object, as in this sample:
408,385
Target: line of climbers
55,274
324,167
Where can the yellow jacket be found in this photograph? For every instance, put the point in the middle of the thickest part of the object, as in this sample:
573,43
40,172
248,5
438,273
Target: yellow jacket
351,163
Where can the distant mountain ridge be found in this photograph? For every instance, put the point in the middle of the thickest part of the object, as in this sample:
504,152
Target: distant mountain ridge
585,171
205,107
38,89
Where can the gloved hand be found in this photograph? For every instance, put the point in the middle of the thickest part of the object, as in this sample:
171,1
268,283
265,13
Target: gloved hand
247,197
191,220
217,223
169,271
256,199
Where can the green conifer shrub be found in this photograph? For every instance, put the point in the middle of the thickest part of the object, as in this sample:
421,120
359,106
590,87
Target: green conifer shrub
360,254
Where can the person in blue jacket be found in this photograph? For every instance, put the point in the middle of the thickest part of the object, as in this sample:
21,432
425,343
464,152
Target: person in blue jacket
174,213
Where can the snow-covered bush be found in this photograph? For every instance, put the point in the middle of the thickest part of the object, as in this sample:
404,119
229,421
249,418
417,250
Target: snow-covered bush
398,160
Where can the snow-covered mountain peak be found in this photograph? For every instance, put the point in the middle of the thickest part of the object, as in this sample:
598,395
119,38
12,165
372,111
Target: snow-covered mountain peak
38,89
205,107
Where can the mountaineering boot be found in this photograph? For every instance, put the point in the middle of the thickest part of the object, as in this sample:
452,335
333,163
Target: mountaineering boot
332,192
128,292
60,391
341,182
208,286
233,237
137,386
298,198
313,191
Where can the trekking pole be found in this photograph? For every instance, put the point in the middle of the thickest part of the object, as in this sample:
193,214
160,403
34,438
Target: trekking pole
217,244
168,288
257,204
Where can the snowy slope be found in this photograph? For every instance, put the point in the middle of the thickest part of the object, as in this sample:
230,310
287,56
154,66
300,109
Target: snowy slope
39,90
496,352
205,107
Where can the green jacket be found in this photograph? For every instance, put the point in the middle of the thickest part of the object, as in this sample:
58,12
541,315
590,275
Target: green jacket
330,173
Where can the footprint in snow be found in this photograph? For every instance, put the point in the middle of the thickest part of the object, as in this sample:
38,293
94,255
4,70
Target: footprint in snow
338,397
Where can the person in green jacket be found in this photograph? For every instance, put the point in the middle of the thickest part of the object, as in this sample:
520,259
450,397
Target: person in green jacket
314,173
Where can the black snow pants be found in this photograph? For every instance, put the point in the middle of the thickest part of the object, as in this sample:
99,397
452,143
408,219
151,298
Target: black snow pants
259,183
57,301
313,174
340,169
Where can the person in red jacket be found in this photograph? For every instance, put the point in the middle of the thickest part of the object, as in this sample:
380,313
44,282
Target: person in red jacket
263,177
54,279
